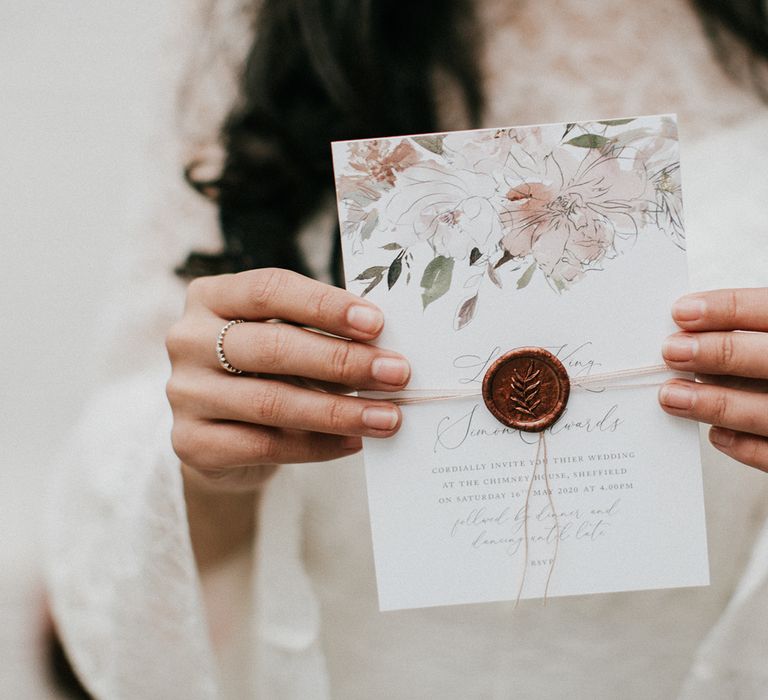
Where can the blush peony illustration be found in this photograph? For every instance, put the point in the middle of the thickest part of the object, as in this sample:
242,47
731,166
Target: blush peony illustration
566,212
557,201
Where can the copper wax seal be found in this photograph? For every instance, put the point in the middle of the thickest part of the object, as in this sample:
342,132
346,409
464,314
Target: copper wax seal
526,389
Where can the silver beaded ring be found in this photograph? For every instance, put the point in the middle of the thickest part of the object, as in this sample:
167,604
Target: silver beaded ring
220,347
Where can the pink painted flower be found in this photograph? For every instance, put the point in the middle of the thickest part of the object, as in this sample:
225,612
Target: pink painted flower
567,209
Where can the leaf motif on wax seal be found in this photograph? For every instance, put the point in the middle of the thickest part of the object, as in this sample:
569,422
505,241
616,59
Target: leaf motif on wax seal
526,387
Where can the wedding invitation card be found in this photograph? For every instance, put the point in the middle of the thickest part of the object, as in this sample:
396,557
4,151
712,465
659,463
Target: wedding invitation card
565,240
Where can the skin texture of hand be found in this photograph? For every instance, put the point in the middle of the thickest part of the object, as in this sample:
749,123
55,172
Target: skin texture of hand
231,430
724,340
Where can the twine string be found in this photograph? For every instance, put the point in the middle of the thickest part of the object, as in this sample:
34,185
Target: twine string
541,453
592,382
525,521
543,440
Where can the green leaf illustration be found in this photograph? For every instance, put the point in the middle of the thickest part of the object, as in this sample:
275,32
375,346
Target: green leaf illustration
474,255
526,277
371,273
436,279
374,282
616,122
391,246
394,270
466,312
589,141
371,222
433,142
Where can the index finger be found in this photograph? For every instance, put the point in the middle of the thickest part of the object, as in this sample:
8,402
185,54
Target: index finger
273,293
723,310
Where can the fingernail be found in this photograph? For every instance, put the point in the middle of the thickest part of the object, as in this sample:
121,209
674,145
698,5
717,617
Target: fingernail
679,348
390,370
688,309
351,443
722,437
365,319
380,418
677,396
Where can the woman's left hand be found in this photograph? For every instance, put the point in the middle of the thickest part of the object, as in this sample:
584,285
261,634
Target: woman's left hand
724,340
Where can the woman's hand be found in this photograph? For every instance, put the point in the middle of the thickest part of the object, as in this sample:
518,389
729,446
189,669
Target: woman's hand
725,341
233,429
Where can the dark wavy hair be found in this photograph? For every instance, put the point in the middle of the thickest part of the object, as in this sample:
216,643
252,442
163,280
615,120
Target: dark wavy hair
319,71
323,70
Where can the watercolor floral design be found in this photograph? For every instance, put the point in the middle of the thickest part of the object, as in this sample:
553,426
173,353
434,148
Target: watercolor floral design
557,201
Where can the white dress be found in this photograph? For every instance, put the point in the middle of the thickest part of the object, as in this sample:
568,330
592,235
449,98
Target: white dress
298,619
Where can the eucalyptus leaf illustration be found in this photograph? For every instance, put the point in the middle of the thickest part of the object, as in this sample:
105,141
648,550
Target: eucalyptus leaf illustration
466,312
394,270
391,246
526,276
432,142
589,141
374,282
436,279
616,122
371,221
374,275
371,272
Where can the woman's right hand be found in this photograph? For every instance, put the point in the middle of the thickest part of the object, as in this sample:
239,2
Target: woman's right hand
232,429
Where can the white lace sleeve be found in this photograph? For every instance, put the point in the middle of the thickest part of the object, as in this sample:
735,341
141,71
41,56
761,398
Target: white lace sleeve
121,576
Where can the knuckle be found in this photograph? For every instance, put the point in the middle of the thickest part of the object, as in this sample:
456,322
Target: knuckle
198,288
269,401
177,341
272,346
720,408
187,444
731,304
341,362
337,416
321,301
263,446
726,350
265,284
172,391
180,391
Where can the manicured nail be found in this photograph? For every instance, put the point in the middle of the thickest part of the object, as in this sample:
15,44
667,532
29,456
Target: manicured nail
351,443
679,348
390,370
365,319
722,437
380,418
688,309
677,396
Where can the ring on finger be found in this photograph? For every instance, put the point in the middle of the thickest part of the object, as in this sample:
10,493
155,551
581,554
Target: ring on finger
220,347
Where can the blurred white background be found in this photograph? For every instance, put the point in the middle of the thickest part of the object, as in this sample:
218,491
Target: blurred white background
82,85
